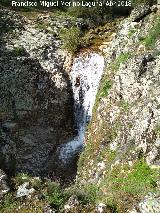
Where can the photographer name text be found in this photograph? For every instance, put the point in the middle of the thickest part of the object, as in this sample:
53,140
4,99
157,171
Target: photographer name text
120,3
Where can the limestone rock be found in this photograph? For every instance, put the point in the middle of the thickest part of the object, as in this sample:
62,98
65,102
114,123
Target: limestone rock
36,107
71,205
140,12
100,208
24,190
4,188
150,204
125,127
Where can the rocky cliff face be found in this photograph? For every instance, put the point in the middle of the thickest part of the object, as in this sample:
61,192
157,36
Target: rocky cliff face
36,104
119,168
123,138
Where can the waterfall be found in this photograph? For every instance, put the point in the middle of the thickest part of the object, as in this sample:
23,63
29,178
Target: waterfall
86,74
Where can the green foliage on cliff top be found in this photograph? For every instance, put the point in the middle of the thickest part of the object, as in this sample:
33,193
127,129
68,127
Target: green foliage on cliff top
70,38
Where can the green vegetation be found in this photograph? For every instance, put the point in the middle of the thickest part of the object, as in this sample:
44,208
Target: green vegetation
47,192
83,12
18,51
8,204
128,182
137,180
21,178
122,58
106,81
121,185
124,105
105,89
78,11
70,38
87,194
131,32
97,14
153,35
157,129
44,26
91,194
52,191
55,195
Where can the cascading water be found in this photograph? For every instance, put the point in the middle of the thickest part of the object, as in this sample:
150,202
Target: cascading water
86,74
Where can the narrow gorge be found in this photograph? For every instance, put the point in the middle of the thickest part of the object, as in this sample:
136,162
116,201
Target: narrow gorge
79,111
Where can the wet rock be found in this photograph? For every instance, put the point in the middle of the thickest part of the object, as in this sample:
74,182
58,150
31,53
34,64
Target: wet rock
4,188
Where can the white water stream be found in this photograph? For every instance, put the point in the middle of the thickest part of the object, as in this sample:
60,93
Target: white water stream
86,74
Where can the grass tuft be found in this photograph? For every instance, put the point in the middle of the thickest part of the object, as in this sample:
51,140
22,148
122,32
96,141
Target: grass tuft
122,58
154,34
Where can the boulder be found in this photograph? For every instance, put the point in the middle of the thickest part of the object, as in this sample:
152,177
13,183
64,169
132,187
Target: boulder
24,190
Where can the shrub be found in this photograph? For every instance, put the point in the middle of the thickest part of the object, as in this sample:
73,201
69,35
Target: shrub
8,203
91,193
21,178
138,180
11,204
87,194
94,13
154,34
55,195
70,38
